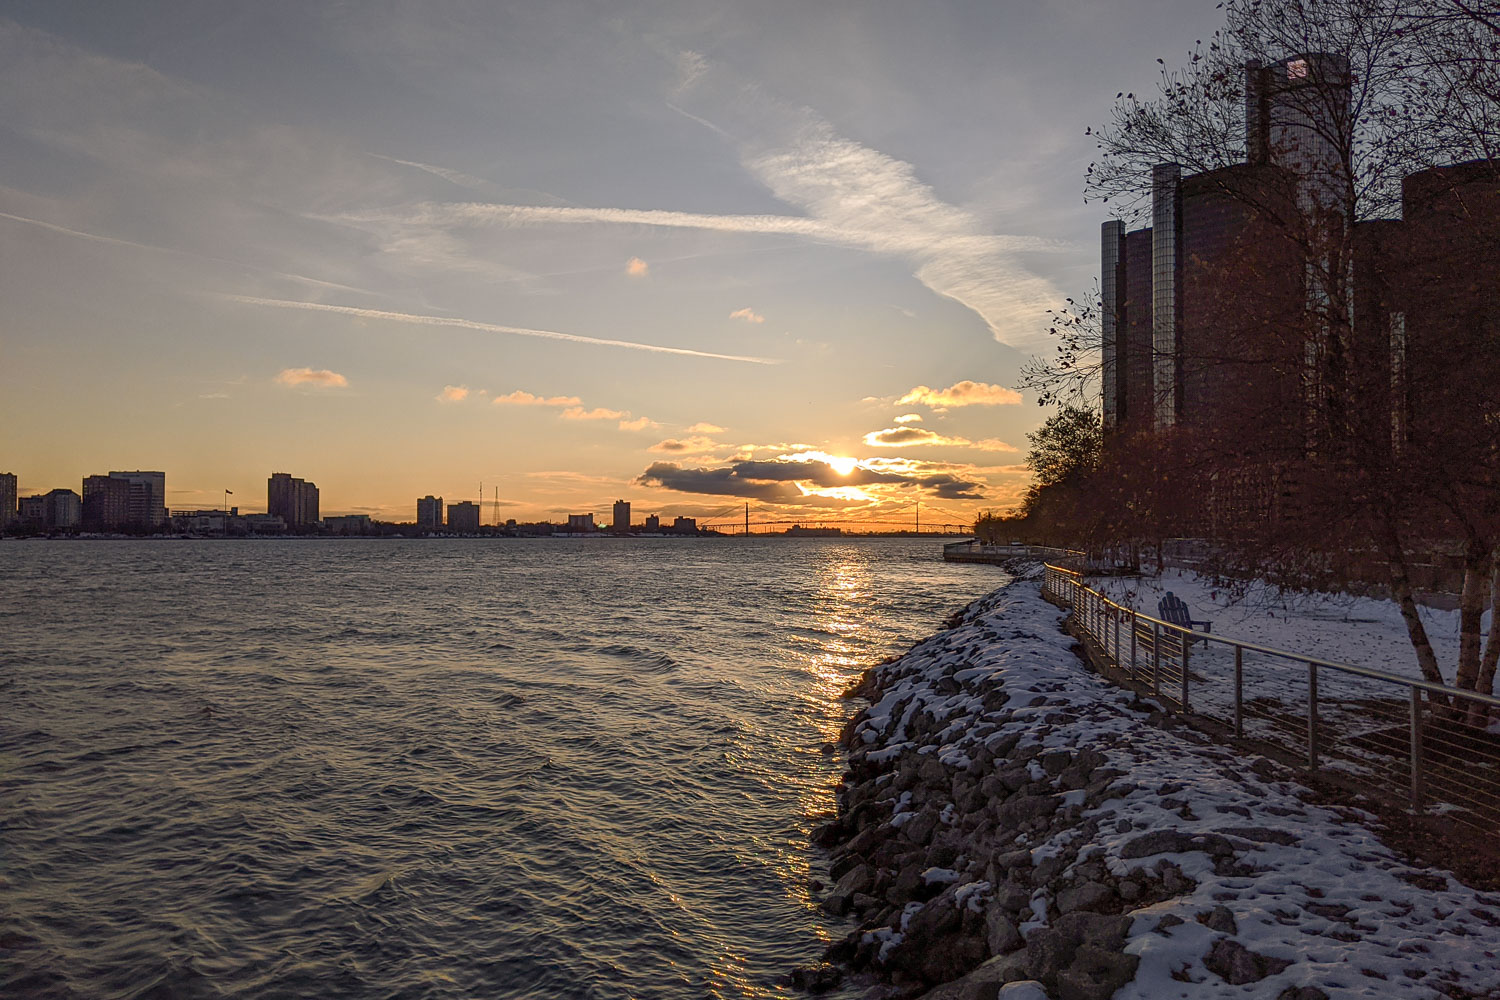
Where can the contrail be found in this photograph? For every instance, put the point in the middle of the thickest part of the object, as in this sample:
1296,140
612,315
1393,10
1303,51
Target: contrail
469,324
117,242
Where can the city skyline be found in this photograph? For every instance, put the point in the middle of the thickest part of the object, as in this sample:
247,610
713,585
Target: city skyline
699,254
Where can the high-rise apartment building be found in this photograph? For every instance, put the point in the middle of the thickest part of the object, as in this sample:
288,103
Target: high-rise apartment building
8,508
148,498
61,509
107,503
621,519
464,516
430,512
294,500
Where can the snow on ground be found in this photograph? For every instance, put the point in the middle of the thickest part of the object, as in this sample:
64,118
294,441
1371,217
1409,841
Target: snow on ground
1301,884
1364,631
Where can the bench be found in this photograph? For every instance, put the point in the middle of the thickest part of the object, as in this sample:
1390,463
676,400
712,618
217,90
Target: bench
1173,609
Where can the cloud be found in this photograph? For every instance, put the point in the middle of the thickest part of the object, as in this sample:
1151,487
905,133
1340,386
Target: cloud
852,196
469,324
909,418
320,377
598,413
688,446
453,394
705,428
451,176
907,436
785,481
965,393
639,424
748,315
522,398
637,268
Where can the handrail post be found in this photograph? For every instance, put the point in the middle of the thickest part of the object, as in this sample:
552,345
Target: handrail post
1239,690
1186,643
1155,658
1416,749
1132,642
1312,716
1115,616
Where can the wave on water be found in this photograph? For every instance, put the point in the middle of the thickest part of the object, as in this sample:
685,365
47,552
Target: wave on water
484,769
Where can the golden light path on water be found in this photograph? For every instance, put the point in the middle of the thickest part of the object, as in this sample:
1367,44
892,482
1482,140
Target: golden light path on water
585,770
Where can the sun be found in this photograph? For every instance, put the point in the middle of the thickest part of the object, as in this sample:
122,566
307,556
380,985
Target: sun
843,466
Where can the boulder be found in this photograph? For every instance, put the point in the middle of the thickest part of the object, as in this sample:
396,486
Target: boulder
1238,965
1175,842
1092,896
1095,974
1022,808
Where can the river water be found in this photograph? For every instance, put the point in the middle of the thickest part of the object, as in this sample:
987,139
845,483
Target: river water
462,768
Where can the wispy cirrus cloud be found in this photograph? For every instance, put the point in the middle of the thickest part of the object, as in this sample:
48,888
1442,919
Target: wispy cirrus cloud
852,195
965,393
418,319
748,315
704,427
908,436
320,378
523,398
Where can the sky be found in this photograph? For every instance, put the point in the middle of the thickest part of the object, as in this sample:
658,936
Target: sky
688,254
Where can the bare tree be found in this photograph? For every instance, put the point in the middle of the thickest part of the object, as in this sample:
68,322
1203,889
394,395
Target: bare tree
1394,87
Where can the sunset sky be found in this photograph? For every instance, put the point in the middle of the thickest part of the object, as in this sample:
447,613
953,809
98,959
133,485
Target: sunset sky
686,254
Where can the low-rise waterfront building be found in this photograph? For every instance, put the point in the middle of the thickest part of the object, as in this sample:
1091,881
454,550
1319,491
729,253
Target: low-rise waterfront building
348,524
580,522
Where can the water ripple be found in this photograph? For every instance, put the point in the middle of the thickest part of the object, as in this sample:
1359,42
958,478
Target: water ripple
574,769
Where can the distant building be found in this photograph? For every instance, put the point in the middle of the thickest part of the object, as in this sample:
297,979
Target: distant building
31,512
8,505
685,525
147,505
348,524
580,522
106,503
464,516
201,522
293,500
621,519
430,513
653,522
61,510
265,524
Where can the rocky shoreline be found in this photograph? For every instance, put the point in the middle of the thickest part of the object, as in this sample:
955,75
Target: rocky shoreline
1010,825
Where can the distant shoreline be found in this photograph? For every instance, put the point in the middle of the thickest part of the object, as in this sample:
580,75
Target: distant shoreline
601,535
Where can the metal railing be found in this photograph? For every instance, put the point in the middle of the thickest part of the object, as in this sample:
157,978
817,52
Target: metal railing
973,549
1427,743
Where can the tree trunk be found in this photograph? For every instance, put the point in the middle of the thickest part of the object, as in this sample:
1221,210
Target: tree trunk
1480,715
1401,589
1477,567
1491,659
